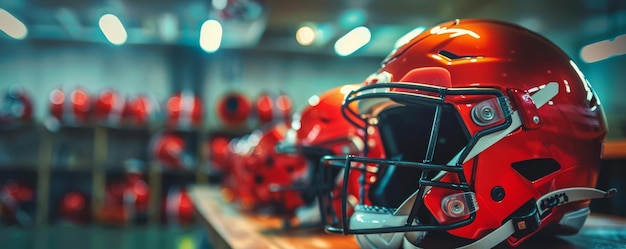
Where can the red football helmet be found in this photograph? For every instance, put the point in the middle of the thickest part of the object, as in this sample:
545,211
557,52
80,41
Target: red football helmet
184,110
15,106
239,151
233,109
109,107
219,154
490,132
125,200
270,109
177,207
320,130
14,199
140,110
171,151
263,169
71,108
75,208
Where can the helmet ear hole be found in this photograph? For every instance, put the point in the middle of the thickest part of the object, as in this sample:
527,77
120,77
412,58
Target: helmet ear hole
269,161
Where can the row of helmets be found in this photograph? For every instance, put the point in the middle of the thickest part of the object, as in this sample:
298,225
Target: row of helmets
177,150
125,202
181,110
273,168
110,107
469,129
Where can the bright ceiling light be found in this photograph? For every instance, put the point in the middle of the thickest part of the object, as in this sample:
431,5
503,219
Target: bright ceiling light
10,25
603,50
305,35
352,41
113,29
211,36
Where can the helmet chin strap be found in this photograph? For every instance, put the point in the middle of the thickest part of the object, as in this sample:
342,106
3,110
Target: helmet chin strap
371,217
544,204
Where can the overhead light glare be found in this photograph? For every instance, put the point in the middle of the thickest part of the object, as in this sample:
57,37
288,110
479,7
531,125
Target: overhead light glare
305,35
211,36
603,50
409,36
352,41
113,29
12,26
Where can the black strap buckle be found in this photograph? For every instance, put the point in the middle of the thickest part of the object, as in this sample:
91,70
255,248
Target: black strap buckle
526,223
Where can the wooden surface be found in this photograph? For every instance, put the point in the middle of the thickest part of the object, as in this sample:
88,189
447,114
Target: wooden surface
228,228
614,149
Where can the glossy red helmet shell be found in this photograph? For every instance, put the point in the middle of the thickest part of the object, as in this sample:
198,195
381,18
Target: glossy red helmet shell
109,107
552,140
170,150
264,170
320,129
140,110
233,109
184,110
218,152
177,207
75,207
273,108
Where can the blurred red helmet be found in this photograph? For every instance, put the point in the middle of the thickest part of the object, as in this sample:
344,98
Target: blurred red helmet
218,152
233,109
15,106
75,207
264,171
177,207
170,150
269,108
109,107
320,130
14,196
73,107
140,110
265,108
184,110
125,200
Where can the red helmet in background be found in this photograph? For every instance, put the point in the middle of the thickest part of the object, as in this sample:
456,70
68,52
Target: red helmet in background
270,108
140,110
109,107
170,150
320,130
125,200
485,125
233,109
265,108
13,197
71,107
15,106
177,207
219,153
75,208
264,169
233,190
184,110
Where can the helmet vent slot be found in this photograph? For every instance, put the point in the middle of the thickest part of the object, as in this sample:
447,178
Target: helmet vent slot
453,56
536,169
